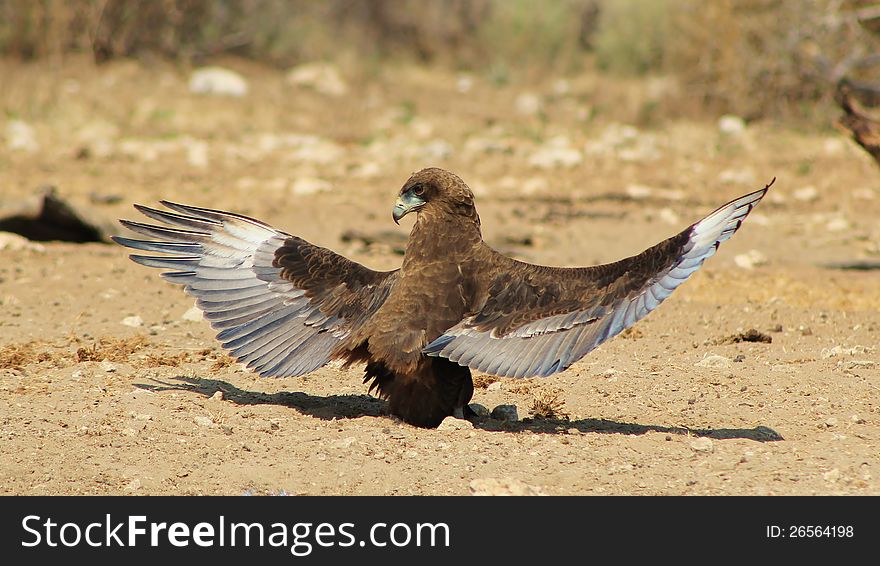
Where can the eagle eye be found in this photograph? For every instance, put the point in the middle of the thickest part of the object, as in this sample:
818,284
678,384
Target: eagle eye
418,190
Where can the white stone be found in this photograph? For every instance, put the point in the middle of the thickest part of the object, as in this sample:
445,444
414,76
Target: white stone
738,176
193,314
730,125
197,153
639,192
324,78
702,444
714,361
464,84
218,81
502,486
452,423
203,421
806,194
669,216
133,321
15,242
20,136
310,186
838,224
528,103
750,260
832,475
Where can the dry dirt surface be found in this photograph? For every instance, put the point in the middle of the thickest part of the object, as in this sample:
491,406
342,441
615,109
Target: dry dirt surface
110,385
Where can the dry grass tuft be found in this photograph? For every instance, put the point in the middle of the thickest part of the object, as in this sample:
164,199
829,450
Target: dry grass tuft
224,361
113,349
17,356
547,403
482,381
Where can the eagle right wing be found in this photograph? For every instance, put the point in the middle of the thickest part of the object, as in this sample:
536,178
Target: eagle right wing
535,320
281,305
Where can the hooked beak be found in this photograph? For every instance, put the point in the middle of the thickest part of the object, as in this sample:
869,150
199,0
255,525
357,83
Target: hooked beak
405,204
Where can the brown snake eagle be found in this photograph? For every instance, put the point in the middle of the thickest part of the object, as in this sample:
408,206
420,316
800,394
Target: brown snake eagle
286,307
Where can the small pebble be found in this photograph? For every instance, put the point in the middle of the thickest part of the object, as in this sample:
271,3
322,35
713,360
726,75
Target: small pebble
133,321
203,421
452,423
479,410
702,444
505,413
714,361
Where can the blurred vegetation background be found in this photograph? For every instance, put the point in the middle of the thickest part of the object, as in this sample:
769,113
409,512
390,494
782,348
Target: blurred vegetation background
758,59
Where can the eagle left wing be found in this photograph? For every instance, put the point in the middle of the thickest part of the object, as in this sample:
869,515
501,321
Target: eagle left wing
535,321
281,305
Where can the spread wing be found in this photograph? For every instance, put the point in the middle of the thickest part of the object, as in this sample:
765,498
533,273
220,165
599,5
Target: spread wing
281,305
536,321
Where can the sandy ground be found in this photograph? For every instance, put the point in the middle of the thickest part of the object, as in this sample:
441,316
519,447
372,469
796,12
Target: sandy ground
92,405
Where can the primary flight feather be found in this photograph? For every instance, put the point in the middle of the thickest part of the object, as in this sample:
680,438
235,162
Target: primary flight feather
286,307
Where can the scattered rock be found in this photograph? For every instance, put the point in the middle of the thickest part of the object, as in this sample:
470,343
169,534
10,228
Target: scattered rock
20,136
203,421
505,413
310,186
197,153
528,104
109,366
669,216
832,475
857,419
806,194
217,396
343,443
324,78
479,410
193,314
750,259
739,176
218,81
714,361
503,486
702,444
452,423
494,386
841,351
133,321
556,153
639,192
730,125
464,84
133,485
830,422
838,224
14,243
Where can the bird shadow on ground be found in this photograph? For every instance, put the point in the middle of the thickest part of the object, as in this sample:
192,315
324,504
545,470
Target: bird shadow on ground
354,406
328,408
583,426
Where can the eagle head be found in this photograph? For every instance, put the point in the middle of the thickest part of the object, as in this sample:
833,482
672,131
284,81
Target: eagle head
434,189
